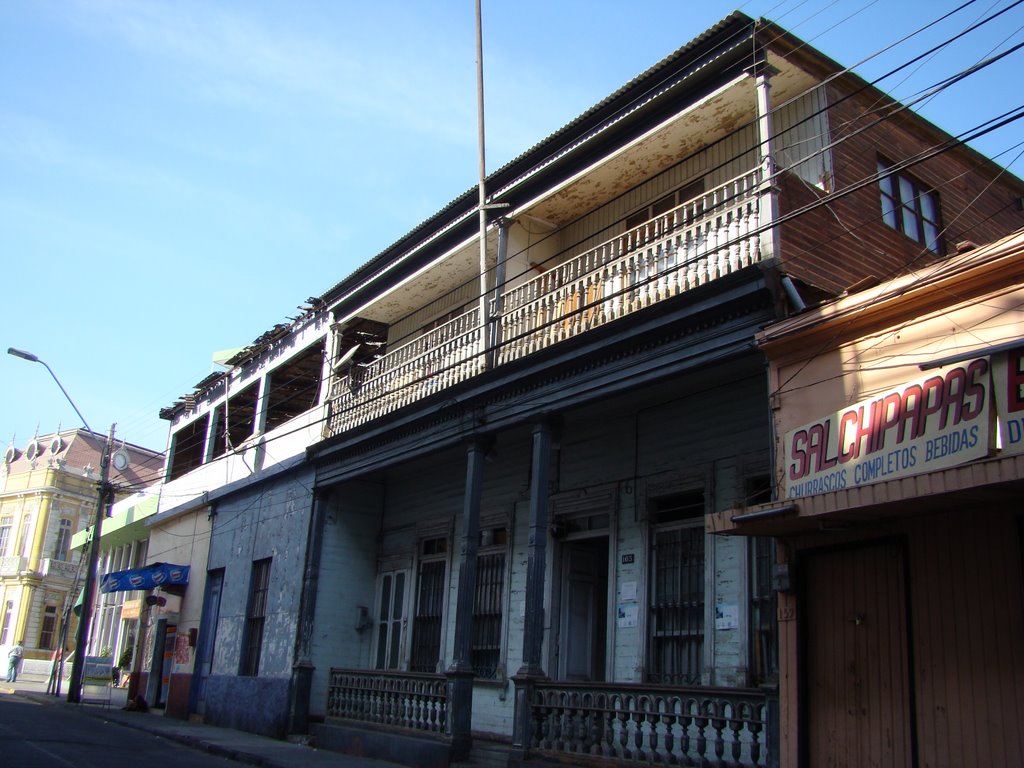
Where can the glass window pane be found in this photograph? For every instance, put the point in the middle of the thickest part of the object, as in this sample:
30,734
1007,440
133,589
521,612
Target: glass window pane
929,207
907,193
399,594
889,212
396,634
931,236
382,645
910,223
885,182
385,597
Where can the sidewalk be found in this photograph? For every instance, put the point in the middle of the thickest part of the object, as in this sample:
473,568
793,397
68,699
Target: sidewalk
235,745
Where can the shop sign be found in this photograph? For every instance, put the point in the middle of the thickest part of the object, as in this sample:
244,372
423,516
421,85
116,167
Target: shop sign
934,422
130,609
1008,375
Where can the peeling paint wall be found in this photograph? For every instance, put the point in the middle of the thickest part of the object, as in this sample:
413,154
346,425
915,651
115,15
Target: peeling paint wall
271,521
348,572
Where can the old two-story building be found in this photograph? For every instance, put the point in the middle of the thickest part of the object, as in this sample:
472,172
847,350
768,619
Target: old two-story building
463,496
48,496
900,440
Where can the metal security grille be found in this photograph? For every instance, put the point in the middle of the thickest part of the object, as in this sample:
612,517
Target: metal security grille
426,631
485,654
677,597
255,617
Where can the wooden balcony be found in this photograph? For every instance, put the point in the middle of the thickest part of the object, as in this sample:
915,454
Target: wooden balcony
704,238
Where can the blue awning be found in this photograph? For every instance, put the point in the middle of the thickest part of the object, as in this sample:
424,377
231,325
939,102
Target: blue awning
148,577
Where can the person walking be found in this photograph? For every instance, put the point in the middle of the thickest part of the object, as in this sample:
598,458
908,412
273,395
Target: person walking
14,660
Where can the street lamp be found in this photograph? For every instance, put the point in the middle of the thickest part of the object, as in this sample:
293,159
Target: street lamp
104,493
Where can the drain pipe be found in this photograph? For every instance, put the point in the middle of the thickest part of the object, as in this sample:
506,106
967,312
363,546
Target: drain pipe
793,294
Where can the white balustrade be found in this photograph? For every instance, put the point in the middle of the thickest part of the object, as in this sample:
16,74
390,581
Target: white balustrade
700,240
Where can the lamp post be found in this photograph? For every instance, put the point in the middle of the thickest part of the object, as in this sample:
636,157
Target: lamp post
103,495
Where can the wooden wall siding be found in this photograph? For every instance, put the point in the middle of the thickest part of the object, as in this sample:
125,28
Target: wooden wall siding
719,163
820,247
967,634
968,614
407,329
715,423
661,441
856,664
801,134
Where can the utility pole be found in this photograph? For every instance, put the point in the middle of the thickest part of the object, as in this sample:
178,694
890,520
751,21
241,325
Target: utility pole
103,496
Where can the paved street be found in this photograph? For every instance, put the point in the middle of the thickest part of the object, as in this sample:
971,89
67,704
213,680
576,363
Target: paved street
34,735
38,730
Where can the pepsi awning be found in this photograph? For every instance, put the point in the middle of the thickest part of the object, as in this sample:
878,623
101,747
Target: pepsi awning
148,577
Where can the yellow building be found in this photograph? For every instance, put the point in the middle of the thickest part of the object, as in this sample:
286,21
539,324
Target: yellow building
48,492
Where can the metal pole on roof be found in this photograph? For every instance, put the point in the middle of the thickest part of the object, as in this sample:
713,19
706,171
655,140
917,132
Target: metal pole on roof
482,203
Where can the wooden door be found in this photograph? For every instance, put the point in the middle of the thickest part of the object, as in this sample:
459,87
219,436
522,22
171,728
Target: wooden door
858,708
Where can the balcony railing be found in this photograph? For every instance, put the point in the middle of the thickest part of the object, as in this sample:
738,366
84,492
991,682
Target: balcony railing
60,568
701,240
650,724
13,565
418,702
440,358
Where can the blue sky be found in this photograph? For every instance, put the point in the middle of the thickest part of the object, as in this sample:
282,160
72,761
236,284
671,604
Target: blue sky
176,177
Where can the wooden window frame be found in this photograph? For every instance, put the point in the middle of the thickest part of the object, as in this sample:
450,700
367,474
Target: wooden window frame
904,199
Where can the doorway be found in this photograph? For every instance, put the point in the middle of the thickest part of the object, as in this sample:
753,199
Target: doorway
857,680
583,614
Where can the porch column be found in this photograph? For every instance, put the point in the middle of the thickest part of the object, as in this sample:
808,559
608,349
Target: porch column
768,209
302,669
460,673
494,322
533,629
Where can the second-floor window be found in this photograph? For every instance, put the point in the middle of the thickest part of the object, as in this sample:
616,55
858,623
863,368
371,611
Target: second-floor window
5,626
62,547
909,207
5,533
24,540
